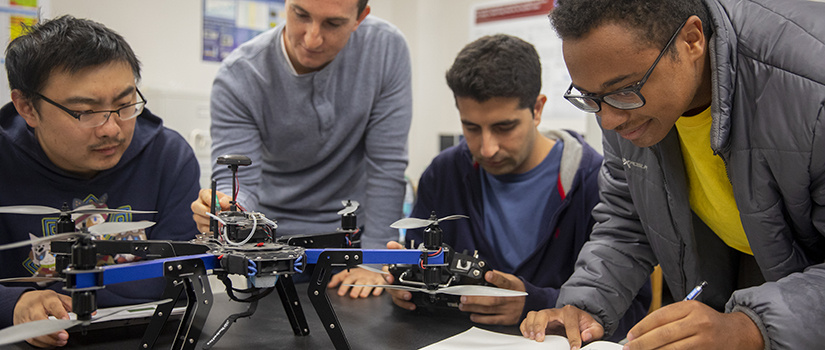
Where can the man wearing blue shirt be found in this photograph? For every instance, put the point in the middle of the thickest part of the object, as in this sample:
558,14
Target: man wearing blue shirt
528,194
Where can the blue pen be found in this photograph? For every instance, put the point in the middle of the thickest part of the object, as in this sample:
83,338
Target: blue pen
695,292
692,295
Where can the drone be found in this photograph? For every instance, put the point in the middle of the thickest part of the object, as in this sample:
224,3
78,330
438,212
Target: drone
243,243
439,287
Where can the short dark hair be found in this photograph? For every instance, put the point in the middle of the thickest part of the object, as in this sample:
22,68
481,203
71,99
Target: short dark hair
654,21
497,66
362,4
65,44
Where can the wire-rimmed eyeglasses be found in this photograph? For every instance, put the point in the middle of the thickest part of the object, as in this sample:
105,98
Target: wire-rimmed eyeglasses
626,98
92,119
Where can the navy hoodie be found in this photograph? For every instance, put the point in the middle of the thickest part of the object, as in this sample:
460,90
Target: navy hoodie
158,172
452,185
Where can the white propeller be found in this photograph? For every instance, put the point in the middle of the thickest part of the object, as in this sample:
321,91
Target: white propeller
44,210
468,290
413,223
349,207
34,279
56,237
107,228
96,230
34,329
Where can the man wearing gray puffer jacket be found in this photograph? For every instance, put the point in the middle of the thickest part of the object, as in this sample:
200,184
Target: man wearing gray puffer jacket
714,168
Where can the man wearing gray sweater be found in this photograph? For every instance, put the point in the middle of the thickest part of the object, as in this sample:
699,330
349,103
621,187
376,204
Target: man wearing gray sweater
322,106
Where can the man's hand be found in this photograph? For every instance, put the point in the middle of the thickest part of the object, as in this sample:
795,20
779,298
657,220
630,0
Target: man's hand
694,325
39,305
578,325
357,276
201,206
496,310
399,297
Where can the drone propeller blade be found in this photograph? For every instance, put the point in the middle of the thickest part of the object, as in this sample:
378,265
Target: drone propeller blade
34,329
44,210
483,291
368,268
113,311
109,211
411,223
349,207
388,286
453,217
117,227
99,229
30,279
41,239
28,209
468,290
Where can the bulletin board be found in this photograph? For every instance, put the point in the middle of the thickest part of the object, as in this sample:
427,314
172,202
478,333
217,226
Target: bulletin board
229,23
528,21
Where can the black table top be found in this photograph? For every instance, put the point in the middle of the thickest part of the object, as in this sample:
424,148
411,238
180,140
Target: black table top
371,323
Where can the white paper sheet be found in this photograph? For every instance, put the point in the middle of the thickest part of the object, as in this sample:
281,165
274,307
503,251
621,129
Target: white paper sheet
477,339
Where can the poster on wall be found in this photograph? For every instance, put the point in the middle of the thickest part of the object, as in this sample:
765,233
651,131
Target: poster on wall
229,23
527,19
14,14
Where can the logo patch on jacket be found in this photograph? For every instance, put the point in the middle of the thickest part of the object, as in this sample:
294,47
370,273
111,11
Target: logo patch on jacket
631,164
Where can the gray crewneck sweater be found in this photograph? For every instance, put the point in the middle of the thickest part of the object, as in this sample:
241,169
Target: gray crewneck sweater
318,138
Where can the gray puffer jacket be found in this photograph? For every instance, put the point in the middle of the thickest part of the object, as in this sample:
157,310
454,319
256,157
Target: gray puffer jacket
768,60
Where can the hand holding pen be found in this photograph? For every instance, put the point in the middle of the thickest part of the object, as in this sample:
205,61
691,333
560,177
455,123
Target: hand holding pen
692,295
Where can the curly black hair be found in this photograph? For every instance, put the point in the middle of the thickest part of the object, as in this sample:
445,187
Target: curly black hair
497,66
655,20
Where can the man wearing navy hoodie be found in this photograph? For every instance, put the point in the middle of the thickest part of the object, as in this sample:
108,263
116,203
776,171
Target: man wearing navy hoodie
528,194
77,132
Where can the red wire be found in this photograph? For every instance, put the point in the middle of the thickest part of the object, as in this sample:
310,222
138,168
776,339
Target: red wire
237,189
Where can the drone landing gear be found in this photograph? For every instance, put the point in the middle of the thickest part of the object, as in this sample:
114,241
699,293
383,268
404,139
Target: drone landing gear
292,306
187,276
289,298
318,295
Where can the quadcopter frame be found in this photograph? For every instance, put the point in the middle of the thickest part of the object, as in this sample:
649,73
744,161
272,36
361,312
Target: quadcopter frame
188,274
265,260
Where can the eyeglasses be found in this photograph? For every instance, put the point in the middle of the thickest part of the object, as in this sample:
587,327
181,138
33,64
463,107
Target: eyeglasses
626,98
92,119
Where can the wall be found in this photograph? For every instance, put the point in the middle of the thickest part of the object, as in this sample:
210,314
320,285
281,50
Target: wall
166,36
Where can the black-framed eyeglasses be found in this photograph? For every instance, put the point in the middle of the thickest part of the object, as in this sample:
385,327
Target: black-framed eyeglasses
92,119
626,98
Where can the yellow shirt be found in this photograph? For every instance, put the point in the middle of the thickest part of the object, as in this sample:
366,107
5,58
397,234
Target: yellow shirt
711,194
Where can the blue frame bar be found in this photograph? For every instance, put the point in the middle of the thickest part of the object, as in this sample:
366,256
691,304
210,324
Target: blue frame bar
154,268
380,256
137,271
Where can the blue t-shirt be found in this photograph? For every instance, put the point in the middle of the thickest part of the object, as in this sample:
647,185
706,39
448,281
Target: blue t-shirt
516,206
